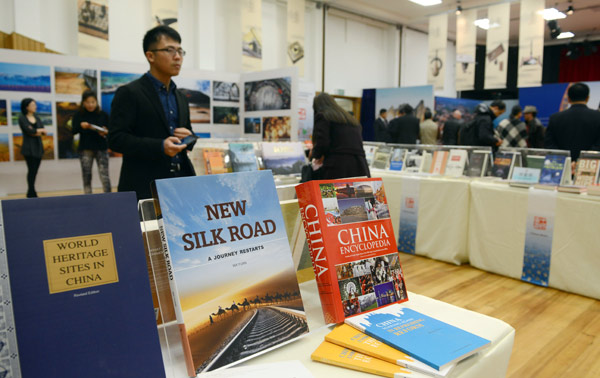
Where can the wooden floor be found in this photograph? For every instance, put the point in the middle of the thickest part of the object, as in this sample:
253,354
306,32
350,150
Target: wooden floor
557,334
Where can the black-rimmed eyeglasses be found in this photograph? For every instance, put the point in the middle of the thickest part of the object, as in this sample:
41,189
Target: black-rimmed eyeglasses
172,51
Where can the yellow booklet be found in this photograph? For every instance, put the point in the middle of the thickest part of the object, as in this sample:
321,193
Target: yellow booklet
349,337
339,356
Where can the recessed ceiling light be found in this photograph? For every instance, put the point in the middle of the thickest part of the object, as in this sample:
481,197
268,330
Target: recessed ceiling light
564,35
426,3
484,23
552,14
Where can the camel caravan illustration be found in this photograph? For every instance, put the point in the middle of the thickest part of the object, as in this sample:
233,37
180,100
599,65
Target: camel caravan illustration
266,300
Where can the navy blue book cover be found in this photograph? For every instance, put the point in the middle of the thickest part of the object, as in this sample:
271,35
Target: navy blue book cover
80,290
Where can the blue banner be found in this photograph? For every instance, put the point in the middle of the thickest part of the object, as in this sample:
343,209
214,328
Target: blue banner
538,237
409,215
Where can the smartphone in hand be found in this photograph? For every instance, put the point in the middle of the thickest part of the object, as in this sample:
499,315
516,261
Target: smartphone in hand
189,140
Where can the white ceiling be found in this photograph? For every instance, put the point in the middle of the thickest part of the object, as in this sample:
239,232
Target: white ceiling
584,22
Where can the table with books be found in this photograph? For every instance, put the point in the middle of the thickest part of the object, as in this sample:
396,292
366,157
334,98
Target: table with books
490,362
443,214
497,232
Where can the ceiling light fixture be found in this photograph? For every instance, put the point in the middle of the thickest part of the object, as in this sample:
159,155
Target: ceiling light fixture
426,3
458,10
554,29
552,14
570,10
484,23
565,35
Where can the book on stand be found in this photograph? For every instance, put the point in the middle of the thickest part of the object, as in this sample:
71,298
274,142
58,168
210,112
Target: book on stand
535,161
352,245
397,159
337,355
457,161
214,160
524,177
504,163
283,158
478,163
242,157
588,166
351,338
431,341
555,170
369,152
438,164
230,268
381,160
75,293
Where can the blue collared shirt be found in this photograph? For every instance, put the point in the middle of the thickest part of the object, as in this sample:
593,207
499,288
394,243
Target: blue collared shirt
168,101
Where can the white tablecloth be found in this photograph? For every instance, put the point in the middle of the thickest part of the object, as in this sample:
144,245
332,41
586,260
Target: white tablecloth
497,236
491,362
443,214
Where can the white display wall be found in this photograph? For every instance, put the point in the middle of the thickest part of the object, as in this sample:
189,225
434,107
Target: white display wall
215,116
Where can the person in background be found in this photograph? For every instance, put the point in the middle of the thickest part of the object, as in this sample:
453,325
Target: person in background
428,129
512,130
484,118
32,147
405,128
91,123
577,128
451,127
535,129
337,140
149,117
381,127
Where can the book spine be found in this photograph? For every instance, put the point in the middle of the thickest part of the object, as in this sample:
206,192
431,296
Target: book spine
311,220
187,352
13,366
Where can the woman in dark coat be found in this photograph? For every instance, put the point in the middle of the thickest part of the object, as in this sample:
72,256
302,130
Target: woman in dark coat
32,148
91,123
337,140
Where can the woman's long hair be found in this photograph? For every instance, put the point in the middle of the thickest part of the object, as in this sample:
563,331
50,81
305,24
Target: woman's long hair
25,103
87,94
332,112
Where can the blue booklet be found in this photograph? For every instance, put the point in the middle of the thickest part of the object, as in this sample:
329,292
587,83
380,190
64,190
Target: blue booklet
552,171
76,298
426,339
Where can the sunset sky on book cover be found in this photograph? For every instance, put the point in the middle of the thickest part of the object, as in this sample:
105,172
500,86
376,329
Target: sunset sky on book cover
237,277
353,247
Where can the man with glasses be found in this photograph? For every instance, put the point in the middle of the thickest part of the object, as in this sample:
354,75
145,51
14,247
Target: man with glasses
149,118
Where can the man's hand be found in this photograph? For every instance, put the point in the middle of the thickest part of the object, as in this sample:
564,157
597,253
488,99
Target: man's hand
181,132
172,147
86,125
499,142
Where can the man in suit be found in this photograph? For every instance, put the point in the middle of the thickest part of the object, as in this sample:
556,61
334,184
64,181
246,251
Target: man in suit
149,118
451,127
381,127
577,128
404,129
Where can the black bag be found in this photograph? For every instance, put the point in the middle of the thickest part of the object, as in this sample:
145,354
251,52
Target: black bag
309,174
468,134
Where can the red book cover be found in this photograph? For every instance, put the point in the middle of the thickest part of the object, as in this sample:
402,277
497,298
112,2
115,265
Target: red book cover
351,241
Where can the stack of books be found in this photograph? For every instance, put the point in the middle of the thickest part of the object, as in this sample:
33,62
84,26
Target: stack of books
398,342
361,286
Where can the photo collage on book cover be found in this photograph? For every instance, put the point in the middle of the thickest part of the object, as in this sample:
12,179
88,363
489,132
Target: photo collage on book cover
369,283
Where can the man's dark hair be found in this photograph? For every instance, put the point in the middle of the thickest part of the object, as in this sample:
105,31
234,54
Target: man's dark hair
499,104
153,36
406,109
382,111
515,111
427,114
578,92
